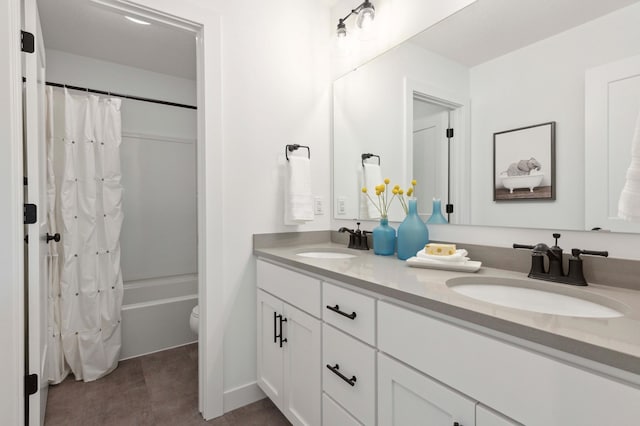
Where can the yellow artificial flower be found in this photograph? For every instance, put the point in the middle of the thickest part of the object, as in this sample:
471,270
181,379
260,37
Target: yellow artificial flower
414,182
386,181
364,190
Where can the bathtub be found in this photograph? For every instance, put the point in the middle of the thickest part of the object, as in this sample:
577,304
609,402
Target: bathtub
155,314
525,181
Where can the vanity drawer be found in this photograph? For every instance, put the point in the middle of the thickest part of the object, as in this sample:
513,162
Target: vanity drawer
334,415
299,290
351,312
354,359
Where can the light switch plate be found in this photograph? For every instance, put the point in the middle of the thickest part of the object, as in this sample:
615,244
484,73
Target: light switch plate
318,206
342,205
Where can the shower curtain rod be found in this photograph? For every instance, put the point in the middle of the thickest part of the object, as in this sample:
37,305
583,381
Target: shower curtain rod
119,95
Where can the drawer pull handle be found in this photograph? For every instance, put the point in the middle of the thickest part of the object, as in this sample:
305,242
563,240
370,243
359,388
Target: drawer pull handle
337,310
335,368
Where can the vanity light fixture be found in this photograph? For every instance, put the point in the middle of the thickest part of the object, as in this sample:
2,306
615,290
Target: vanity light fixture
365,11
137,21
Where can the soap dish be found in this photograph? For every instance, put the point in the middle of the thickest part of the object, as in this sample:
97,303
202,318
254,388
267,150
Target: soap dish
468,266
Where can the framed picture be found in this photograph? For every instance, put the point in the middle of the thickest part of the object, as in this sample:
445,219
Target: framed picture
524,163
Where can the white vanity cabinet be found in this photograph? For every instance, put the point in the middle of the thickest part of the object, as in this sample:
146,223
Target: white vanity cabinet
405,395
526,386
289,350
332,354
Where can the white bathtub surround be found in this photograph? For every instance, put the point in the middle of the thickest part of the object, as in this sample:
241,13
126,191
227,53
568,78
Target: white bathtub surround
91,218
629,204
530,181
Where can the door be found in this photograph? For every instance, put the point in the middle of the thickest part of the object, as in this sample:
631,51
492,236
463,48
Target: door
612,106
36,256
270,351
406,398
430,157
302,369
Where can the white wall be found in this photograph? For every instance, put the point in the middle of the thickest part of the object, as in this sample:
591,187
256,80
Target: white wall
276,92
369,115
536,84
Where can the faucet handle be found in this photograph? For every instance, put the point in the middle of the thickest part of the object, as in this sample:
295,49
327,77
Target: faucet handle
577,252
522,246
556,236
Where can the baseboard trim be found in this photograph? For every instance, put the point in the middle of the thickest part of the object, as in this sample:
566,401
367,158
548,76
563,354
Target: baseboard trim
241,396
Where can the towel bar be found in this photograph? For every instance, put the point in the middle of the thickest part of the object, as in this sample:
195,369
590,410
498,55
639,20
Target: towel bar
367,156
291,148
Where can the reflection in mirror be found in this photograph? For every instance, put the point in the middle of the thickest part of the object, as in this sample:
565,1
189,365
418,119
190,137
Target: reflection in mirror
496,65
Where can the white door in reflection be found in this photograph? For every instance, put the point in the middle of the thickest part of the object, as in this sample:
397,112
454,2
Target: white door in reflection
430,154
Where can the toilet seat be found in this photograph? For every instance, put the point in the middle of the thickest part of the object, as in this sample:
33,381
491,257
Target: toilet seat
194,319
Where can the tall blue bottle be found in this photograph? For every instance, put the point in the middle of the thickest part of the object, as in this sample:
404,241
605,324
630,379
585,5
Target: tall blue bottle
413,234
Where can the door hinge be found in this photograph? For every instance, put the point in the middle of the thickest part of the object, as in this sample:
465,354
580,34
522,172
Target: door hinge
27,43
30,214
449,208
25,181
30,384
450,133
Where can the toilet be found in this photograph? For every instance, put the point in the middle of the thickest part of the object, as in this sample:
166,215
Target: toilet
195,319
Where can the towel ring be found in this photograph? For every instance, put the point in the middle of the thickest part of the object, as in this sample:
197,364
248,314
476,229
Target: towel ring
367,156
294,147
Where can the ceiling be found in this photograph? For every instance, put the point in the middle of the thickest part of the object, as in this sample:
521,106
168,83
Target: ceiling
487,29
84,28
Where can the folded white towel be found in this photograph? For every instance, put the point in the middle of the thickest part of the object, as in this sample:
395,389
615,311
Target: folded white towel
629,203
298,198
372,178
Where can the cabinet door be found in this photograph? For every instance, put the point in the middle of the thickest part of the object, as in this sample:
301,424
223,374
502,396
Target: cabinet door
270,354
488,417
407,398
302,369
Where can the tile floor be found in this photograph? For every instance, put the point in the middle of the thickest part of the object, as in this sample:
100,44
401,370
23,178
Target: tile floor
156,389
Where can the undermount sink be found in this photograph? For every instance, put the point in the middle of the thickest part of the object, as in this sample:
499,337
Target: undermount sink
326,254
537,297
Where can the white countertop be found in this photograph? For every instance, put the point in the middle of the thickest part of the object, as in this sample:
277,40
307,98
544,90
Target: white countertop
611,341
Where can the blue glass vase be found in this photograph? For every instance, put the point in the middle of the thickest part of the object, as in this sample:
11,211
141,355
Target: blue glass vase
436,213
384,238
413,234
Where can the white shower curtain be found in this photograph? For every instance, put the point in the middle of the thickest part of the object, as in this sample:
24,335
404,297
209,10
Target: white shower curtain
57,367
87,312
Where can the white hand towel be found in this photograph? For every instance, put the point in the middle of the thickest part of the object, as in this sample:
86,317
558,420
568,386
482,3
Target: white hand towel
629,203
298,198
372,178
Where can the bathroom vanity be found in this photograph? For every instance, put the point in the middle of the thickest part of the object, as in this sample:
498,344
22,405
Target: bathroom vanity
367,340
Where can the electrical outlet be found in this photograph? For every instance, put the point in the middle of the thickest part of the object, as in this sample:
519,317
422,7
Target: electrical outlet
342,205
318,206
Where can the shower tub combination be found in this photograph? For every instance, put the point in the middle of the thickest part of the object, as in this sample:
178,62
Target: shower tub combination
155,314
530,181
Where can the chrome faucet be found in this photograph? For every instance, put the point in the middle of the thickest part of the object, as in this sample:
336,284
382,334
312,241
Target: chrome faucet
357,239
555,273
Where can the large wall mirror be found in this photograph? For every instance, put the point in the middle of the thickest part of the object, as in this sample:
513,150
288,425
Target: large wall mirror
495,66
